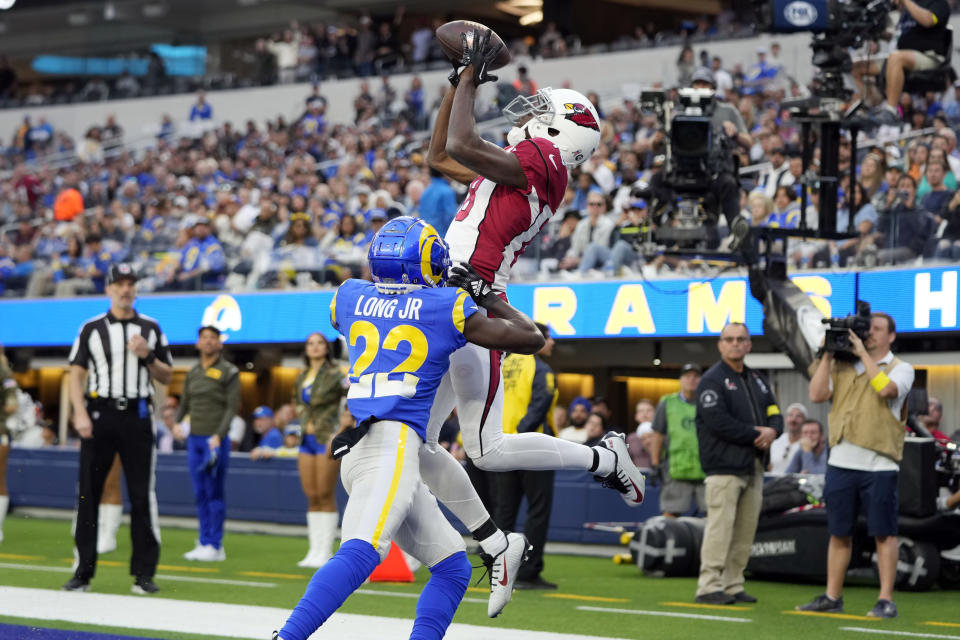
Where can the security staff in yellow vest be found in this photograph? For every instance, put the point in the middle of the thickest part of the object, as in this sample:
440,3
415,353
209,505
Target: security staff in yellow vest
676,428
529,396
866,445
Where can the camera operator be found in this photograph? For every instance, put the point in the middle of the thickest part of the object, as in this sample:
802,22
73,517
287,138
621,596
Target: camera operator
922,46
866,445
726,122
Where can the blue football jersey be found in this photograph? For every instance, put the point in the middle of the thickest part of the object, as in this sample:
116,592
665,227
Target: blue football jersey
399,347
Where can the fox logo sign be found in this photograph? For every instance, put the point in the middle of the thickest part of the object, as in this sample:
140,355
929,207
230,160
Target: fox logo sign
578,114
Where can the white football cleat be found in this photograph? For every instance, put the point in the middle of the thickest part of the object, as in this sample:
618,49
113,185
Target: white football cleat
192,554
626,478
503,572
209,553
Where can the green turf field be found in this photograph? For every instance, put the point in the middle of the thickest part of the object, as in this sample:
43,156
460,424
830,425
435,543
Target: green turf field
31,547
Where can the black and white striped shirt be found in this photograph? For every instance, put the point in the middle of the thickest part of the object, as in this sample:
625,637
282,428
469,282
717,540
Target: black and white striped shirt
115,371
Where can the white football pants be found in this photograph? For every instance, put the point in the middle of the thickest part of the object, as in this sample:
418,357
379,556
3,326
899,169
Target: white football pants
388,502
473,384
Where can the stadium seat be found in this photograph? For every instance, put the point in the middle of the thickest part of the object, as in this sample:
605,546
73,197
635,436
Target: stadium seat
935,80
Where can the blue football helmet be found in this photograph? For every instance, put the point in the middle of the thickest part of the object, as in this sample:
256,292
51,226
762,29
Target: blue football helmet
407,254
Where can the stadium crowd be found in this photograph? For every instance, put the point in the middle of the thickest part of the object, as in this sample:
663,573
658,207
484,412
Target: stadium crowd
286,204
361,45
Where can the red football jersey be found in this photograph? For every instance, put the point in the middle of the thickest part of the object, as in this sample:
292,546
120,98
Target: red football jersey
495,223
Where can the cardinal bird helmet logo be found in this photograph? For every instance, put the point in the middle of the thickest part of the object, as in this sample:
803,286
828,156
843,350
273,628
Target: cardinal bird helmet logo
579,114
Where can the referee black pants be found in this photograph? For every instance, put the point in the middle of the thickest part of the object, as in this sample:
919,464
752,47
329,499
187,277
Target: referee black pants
126,433
537,486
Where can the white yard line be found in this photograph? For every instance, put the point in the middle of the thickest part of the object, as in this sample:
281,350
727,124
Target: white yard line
34,567
232,620
666,614
908,634
161,577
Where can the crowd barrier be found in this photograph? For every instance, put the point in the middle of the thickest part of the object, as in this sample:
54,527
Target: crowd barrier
269,491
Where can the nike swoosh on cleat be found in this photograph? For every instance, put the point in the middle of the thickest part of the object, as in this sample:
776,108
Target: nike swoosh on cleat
503,580
636,490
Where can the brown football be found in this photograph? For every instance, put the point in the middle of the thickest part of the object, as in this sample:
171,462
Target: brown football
449,36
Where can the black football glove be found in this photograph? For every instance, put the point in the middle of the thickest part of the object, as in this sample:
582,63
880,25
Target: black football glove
480,54
454,76
471,282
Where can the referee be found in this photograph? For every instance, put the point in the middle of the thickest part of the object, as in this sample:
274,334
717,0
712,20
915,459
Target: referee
112,362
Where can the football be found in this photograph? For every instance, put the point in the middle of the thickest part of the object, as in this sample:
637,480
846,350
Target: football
449,36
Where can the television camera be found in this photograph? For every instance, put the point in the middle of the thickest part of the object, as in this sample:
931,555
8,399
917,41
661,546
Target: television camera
837,338
694,158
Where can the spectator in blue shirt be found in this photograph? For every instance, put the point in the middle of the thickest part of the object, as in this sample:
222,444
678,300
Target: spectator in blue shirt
166,128
314,120
786,211
762,74
811,457
934,106
41,135
202,257
438,204
49,244
86,274
201,110
270,437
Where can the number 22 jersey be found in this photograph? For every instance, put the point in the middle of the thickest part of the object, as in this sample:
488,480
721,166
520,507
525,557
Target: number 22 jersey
399,347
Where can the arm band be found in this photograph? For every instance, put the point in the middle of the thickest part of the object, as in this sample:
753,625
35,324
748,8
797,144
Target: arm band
879,382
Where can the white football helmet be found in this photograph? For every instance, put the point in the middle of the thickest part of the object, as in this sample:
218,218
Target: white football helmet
563,116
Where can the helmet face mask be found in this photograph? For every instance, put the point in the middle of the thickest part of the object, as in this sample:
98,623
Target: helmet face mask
407,254
563,116
538,105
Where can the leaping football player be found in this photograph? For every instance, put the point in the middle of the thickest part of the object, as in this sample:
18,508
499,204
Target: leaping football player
513,192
